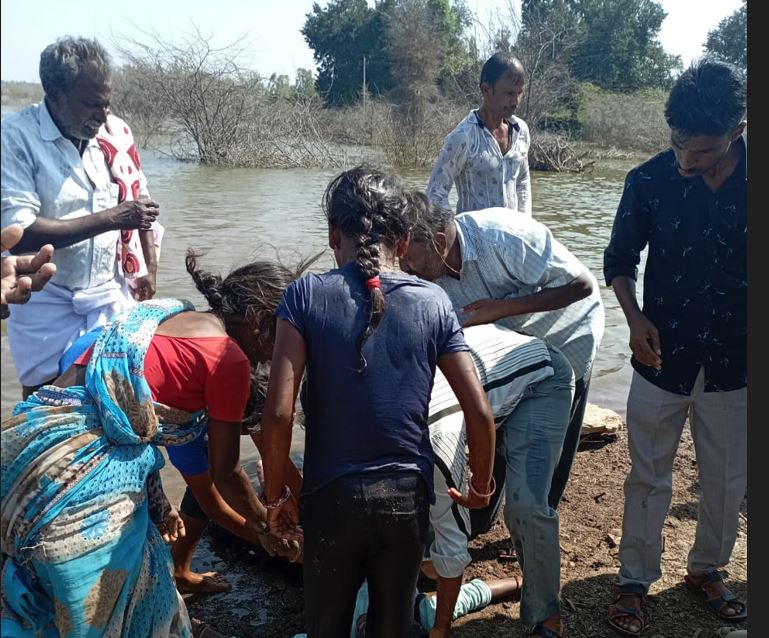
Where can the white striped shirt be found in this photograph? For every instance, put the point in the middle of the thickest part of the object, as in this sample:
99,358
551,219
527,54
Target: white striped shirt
508,363
506,256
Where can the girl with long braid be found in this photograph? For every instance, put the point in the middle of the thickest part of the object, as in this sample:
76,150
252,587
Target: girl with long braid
370,338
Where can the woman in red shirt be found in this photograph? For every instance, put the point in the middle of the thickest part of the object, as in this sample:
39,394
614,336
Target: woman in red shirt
202,360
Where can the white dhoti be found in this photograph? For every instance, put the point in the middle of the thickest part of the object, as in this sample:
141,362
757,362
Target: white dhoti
41,330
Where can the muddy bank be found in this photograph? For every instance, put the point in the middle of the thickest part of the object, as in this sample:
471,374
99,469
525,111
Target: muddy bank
266,600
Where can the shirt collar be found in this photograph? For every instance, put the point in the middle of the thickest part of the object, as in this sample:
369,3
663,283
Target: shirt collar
467,250
478,121
48,129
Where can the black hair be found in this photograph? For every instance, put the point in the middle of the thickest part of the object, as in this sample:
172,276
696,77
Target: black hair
371,208
430,217
499,64
708,98
62,61
252,291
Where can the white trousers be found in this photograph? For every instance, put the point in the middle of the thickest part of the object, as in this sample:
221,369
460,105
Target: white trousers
655,420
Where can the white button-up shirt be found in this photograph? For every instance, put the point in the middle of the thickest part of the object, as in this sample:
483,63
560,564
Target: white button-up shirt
44,175
485,178
506,256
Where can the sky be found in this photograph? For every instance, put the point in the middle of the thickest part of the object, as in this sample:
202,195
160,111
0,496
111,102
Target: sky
270,27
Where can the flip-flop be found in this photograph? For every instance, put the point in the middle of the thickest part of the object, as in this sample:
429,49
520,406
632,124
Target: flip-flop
698,584
211,583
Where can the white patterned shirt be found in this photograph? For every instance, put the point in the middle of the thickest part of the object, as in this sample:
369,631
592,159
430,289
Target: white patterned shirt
44,175
472,160
507,256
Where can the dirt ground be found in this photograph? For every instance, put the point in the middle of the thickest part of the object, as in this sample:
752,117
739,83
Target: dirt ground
267,598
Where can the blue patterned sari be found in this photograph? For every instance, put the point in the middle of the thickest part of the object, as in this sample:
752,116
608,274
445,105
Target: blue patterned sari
81,495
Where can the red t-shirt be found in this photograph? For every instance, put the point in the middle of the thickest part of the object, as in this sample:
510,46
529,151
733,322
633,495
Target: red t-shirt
191,373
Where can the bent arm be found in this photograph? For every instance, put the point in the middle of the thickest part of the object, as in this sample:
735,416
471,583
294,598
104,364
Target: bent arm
64,232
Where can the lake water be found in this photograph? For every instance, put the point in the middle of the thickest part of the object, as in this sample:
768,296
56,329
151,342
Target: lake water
235,215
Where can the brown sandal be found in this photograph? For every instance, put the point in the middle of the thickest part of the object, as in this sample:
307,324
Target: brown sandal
617,611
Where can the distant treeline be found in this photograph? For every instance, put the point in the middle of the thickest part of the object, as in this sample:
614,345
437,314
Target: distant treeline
20,93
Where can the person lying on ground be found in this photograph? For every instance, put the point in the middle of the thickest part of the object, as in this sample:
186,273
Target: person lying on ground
473,596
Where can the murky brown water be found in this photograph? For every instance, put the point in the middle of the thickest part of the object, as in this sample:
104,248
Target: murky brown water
234,215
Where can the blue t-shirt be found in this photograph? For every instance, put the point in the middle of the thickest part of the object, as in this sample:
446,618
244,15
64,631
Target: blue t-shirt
375,420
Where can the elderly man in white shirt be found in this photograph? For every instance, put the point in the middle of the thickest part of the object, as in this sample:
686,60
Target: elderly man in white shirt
486,155
57,184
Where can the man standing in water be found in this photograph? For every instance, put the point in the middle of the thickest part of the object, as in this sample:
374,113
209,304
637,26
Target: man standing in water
57,184
486,155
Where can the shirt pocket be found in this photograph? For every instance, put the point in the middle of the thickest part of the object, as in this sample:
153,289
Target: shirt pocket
105,197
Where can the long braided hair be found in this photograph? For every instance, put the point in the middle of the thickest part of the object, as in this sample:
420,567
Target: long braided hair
371,208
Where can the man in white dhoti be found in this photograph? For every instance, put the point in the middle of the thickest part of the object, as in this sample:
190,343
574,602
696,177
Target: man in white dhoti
59,184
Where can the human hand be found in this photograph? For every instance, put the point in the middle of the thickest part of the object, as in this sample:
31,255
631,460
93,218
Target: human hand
283,521
145,288
645,342
23,274
135,214
483,311
172,526
474,499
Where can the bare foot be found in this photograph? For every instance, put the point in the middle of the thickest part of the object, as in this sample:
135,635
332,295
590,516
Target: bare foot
207,583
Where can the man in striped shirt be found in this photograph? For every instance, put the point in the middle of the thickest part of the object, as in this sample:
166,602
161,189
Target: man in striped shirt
530,387
510,270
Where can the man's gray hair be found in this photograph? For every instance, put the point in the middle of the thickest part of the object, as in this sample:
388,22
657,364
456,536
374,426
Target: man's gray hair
431,218
62,61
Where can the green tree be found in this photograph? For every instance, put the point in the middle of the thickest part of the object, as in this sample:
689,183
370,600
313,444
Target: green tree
342,35
618,49
729,40
621,51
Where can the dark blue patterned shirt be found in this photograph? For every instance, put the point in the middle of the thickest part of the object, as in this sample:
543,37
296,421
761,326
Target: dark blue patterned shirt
696,279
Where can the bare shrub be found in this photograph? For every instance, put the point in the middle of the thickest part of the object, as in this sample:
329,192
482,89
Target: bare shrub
552,152
213,109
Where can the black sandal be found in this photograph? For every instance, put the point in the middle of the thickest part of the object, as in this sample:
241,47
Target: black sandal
698,584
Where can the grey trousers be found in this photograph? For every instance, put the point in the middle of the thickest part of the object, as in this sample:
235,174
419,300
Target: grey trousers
655,420
534,435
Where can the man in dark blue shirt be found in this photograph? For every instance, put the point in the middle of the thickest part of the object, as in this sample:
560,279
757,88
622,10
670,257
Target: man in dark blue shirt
689,343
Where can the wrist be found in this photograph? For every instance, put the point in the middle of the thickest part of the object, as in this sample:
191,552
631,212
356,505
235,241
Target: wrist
488,488
274,503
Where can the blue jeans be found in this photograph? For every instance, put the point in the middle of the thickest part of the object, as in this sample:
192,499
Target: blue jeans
534,435
373,527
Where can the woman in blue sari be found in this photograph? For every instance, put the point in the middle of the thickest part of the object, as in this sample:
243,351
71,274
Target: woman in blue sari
84,517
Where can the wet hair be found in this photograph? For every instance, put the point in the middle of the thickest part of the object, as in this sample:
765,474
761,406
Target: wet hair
62,61
430,217
708,98
252,291
499,64
371,208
